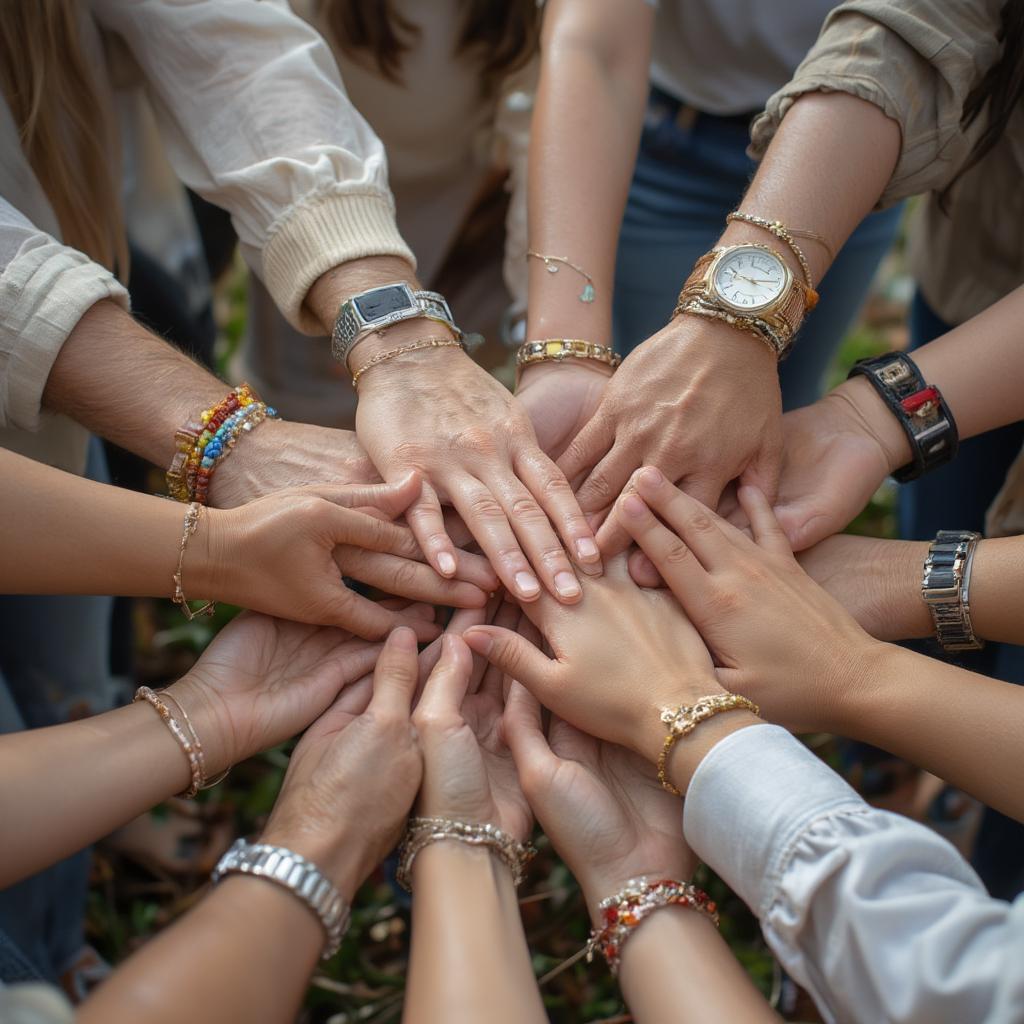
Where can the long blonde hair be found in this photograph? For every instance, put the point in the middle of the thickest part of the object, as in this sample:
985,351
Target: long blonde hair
64,130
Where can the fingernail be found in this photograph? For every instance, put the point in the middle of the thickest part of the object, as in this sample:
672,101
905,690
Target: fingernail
651,477
446,563
404,639
566,584
586,548
527,584
633,506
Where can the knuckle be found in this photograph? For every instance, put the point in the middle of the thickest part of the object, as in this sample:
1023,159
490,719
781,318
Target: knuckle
404,575
485,506
701,522
601,487
409,453
677,552
478,440
527,509
725,602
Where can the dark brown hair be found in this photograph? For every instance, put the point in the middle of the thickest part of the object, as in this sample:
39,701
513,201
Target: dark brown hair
500,34
1000,90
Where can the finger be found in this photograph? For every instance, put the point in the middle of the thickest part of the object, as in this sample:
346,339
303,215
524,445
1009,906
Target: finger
686,577
612,539
394,678
427,524
365,618
446,688
418,611
607,479
475,569
489,681
697,526
547,483
391,498
764,472
533,530
643,571
405,578
366,531
763,524
486,517
514,655
587,448
522,730
805,525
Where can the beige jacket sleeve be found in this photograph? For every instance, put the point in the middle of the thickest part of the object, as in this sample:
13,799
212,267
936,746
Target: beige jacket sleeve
256,120
915,59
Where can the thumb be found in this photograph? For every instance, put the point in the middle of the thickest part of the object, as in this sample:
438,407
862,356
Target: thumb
521,728
514,655
585,450
390,498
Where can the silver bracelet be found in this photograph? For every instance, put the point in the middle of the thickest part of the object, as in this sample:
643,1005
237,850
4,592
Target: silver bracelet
946,588
300,876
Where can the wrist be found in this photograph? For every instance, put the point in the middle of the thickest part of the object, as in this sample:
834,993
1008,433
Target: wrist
866,681
689,751
340,283
569,369
869,416
722,350
337,855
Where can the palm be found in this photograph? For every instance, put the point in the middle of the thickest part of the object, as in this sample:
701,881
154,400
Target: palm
559,404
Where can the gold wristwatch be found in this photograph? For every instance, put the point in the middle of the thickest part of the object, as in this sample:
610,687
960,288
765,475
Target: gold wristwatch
751,287
559,349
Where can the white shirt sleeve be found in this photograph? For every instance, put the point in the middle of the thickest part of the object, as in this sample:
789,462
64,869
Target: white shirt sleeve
876,916
45,288
255,119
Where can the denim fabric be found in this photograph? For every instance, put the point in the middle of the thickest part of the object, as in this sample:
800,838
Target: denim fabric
686,181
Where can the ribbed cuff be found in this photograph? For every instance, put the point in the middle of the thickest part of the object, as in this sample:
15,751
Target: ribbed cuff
320,234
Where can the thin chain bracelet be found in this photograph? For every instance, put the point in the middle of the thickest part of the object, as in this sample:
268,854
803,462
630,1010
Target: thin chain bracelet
189,527
206,783
193,750
588,294
784,234
383,357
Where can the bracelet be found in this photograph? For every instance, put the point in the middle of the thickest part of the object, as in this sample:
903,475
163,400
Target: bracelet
946,588
559,349
423,343
623,913
299,876
190,525
784,234
683,720
206,783
920,408
188,741
421,832
760,329
551,266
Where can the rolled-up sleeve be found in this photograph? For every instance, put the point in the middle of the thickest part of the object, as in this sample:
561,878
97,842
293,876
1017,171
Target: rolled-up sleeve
256,120
915,59
878,917
45,288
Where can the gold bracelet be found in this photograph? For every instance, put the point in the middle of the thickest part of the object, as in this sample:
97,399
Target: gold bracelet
559,349
191,523
192,748
206,783
683,720
784,234
423,343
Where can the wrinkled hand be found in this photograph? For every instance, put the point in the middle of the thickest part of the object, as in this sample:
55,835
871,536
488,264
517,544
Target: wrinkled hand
475,449
281,454
700,400
600,804
285,554
560,398
778,638
468,771
877,581
353,776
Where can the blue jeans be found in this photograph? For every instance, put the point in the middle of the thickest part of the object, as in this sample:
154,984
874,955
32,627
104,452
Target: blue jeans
685,182
956,497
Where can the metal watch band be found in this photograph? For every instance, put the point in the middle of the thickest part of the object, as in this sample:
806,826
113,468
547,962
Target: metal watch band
920,408
560,349
298,875
350,325
945,587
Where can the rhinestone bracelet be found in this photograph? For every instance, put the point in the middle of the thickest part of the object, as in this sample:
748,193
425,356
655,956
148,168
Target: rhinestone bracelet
421,832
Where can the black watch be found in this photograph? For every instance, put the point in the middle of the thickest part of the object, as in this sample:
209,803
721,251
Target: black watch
919,407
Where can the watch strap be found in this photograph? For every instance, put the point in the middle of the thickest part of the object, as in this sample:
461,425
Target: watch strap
919,407
945,588
300,876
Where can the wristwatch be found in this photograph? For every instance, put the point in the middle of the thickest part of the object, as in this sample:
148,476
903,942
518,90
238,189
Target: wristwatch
381,307
946,587
303,878
751,287
919,407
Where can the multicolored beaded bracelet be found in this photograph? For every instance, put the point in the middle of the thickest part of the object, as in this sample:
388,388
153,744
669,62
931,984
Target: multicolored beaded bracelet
636,900
220,446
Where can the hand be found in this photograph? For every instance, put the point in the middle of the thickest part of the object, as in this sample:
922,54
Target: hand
778,638
468,772
282,454
836,453
282,554
262,680
600,804
560,398
354,775
441,414
619,660
700,400
877,581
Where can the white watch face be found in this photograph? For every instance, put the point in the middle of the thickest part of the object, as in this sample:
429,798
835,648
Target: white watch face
748,278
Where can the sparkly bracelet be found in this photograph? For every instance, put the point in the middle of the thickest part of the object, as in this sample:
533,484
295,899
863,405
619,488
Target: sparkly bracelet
205,783
189,526
622,913
683,720
421,832
393,353
189,743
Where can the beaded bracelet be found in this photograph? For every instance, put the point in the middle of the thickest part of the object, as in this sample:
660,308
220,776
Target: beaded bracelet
421,832
189,743
622,913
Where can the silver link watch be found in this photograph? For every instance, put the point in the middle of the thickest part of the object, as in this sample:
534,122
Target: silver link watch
295,873
945,587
